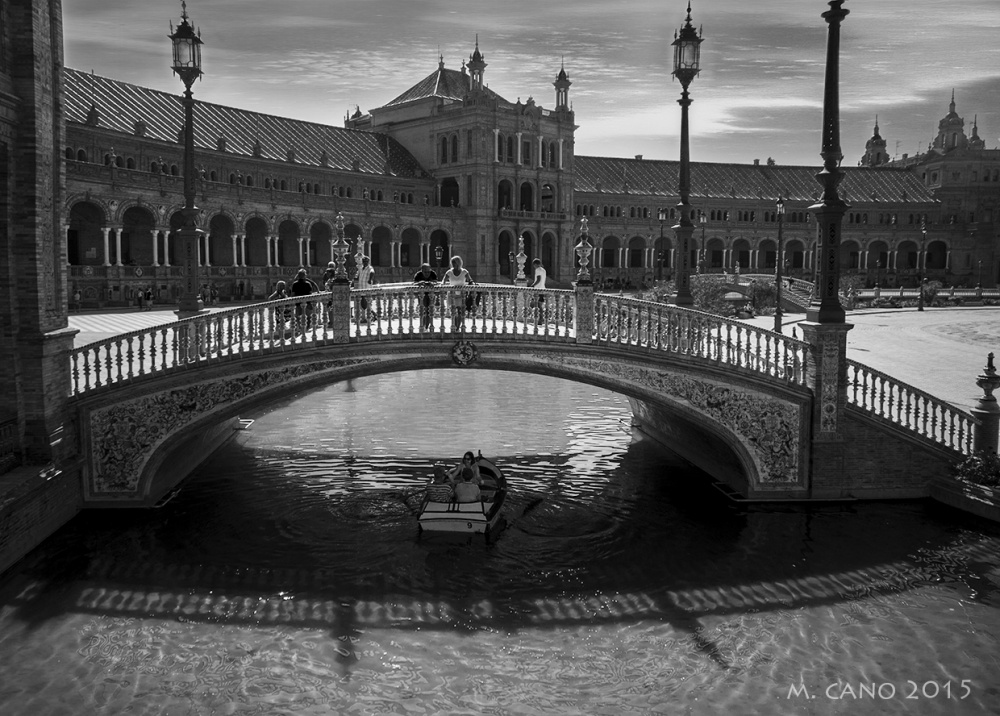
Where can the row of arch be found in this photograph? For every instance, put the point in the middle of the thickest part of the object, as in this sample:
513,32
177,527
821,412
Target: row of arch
647,252
142,240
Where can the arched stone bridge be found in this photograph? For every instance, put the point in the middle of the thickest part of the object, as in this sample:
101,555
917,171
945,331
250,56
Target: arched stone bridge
738,401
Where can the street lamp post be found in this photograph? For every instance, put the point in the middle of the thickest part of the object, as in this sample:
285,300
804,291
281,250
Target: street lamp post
662,216
825,307
687,55
980,284
187,65
922,263
703,255
779,264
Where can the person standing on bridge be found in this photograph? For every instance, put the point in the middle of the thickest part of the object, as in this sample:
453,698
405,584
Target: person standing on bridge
426,275
539,282
365,279
302,286
456,277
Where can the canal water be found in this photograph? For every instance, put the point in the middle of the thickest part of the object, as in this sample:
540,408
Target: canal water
288,577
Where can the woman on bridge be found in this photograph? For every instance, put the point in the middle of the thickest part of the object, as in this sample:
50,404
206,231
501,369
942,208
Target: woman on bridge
457,277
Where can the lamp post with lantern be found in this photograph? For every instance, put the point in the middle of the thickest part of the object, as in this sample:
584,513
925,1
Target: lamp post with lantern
687,55
438,253
779,263
187,65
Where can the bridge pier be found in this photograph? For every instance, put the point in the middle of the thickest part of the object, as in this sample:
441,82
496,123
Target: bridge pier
827,371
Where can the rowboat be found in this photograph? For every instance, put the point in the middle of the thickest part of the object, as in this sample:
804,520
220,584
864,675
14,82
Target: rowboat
468,517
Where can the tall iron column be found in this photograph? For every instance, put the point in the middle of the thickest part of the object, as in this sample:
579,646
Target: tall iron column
687,55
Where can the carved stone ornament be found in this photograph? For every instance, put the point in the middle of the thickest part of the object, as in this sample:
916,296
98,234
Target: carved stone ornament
767,427
464,353
125,435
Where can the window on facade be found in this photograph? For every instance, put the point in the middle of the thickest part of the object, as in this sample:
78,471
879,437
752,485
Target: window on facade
444,150
510,150
552,155
454,147
500,148
526,153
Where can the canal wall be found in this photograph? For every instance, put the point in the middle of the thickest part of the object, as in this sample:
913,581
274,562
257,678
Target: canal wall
34,504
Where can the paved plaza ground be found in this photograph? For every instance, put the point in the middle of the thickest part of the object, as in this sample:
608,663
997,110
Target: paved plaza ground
940,350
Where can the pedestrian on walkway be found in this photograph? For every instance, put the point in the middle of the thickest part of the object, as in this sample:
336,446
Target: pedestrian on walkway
426,276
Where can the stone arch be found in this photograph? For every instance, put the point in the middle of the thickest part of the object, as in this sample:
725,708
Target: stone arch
850,254
288,253
221,229
550,255
409,247
636,253
526,196
878,256
609,247
547,198
505,195
936,258
137,235
256,230
795,252
85,240
767,254
907,256
439,239
506,246
320,234
741,254
380,248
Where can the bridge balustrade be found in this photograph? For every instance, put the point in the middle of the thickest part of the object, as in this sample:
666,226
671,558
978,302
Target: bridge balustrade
706,336
883,396
414,312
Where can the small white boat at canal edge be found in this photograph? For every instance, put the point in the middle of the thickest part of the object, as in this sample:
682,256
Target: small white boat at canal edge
468,517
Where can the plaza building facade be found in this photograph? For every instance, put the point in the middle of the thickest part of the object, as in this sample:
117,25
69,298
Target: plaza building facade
451,167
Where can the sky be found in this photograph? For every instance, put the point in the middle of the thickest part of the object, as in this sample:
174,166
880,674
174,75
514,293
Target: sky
759,94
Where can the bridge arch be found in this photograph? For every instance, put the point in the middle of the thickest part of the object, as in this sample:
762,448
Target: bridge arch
753,437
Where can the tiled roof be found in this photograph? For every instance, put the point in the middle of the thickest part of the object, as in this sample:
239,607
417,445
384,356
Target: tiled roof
444,83
744,181
121,105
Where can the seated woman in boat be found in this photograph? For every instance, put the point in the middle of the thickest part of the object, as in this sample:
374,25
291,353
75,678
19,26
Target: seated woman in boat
467,490
440,489
468,460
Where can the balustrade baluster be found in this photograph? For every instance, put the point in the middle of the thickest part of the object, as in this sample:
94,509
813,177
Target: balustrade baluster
923,408
142,353
86,370
115,365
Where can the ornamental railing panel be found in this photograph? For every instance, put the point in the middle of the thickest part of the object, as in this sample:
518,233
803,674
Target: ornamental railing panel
882,396
659,327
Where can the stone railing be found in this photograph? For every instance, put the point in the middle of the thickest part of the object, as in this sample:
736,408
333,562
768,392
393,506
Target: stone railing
410,312
883,396
660,327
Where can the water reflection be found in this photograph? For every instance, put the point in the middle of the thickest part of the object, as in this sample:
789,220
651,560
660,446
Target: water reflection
291,564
